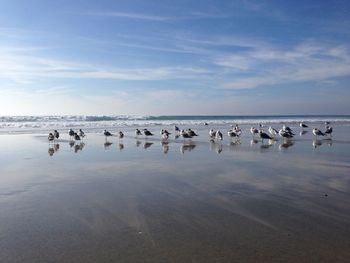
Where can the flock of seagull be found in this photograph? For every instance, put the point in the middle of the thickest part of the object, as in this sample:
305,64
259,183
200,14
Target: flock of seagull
263,133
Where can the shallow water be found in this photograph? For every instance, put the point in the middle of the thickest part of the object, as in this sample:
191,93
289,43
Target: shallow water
144,200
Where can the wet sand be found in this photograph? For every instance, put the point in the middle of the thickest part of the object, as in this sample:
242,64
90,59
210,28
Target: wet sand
143,200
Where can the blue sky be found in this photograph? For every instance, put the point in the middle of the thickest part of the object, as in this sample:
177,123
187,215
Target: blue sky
174,57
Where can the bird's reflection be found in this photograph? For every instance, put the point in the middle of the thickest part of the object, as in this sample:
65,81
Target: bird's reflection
303,133
121,146
187,146
165,146
285,144
265,146
53,148
253,141
316,143
234,142
71,143
79,147
107,144
176,136
137,143
146,145
215,146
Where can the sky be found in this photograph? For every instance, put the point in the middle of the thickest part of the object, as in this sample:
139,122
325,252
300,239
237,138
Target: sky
183,57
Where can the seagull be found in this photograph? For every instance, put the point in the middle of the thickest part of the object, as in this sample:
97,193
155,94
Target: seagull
51,137
76,137
165,135
147,132
81,133
191,133
185,135
263,135
218,135
71,133
329,130
56,134
287,129
317,132
107,134
164,132
212,133
273,131
285,134
137,132
232,134
303,125
176,129
236,129
254,131
121,135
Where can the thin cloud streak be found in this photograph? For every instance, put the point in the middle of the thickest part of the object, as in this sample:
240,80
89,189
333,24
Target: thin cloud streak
155,18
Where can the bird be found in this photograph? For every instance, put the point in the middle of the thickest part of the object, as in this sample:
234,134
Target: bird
273,131
76,137
317,132
121,135
285,134
51,137
56,134
71,133
147,132
137,132
176,129
185,135
212,133
236,129
263,135
81,133
329,130
218,135
286,128
162,132
254,131
303,125
165,135
232,134
191,133
107,134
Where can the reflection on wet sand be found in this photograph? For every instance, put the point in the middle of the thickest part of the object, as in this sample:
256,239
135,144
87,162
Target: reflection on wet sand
187,146
53,148
303,133
71,143
146,145
286,144
317,143
107,145
138,143
120,146
165,146
79,147
215,146
254,141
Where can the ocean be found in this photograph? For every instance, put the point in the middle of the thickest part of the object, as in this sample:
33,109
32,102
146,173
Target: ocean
35,124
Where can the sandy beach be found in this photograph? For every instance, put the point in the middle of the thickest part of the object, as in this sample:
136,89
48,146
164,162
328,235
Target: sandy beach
146,200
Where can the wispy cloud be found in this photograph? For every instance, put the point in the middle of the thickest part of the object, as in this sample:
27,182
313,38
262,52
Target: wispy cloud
305,62
19,68
154,17
136,16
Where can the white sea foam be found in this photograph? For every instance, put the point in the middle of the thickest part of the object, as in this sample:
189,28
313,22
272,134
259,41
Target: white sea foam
34,124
